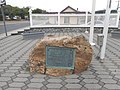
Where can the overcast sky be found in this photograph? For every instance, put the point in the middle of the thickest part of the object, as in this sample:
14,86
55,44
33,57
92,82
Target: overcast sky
58,5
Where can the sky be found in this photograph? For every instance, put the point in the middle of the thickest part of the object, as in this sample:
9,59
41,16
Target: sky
59,5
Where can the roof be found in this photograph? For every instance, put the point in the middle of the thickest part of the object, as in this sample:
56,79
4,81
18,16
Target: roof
73,10
103,11
70,8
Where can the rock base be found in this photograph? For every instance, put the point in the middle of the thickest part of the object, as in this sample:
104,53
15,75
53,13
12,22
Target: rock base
83,57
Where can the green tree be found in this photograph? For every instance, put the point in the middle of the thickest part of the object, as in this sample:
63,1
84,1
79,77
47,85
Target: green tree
16,11
38,11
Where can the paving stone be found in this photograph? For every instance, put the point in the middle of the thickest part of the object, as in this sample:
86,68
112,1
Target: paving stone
90,81
101,83
72,80
32,89
5,79
116,79
12,71
24,87
63,83
47,78
8,62
13,89
108,64
16,84
108,81
53,86
63,78
8,74
15,68
43,88
5,87
88,76
112,86
55,80
112,67
53,89
82,83
117,76
83,88
102,72
3,68
23,75
72,76
17,65
105,76
45,82
116,73
2,84
87,73
92,86
20,79
73,86
5,65
24,72
1,71
39,76
37,80
35,85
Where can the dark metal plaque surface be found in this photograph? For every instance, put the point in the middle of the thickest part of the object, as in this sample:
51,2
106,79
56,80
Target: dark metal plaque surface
60,57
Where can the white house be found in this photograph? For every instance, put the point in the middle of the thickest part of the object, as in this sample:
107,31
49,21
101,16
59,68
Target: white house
68,16
72,20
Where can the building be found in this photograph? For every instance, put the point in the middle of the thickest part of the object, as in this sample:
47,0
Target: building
72,20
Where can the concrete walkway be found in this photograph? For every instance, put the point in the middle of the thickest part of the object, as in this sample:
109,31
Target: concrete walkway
3,35
14,75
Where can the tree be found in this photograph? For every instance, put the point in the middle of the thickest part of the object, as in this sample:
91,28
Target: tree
38,11
16,11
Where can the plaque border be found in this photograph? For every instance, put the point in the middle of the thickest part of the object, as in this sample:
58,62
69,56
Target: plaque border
73,64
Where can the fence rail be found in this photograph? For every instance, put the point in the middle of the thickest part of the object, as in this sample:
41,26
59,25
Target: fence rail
71,20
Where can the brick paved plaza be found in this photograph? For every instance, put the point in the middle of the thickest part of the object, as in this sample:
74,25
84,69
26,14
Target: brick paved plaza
14,74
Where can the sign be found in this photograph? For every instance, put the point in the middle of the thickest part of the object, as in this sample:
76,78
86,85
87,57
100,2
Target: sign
60,57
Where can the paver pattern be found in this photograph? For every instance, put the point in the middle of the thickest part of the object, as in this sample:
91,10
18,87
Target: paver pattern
14,73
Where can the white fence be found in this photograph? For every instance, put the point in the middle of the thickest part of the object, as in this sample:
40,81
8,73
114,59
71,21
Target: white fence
71,20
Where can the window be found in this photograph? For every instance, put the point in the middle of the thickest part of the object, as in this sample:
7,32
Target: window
66,20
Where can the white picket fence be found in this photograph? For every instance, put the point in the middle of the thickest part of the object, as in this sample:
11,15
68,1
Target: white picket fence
71,20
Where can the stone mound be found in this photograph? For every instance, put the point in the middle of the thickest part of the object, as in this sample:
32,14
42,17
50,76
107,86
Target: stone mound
83,57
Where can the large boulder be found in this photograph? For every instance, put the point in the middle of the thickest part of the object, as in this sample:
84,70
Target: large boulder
83,57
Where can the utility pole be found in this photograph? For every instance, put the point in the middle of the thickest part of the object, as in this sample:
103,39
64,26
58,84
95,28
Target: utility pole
2,3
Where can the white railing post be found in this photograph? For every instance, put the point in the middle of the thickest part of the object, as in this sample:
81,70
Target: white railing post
58,18
30,15
105,30
86,18
117,22
92,23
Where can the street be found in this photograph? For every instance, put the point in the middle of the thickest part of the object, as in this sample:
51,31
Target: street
13,25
